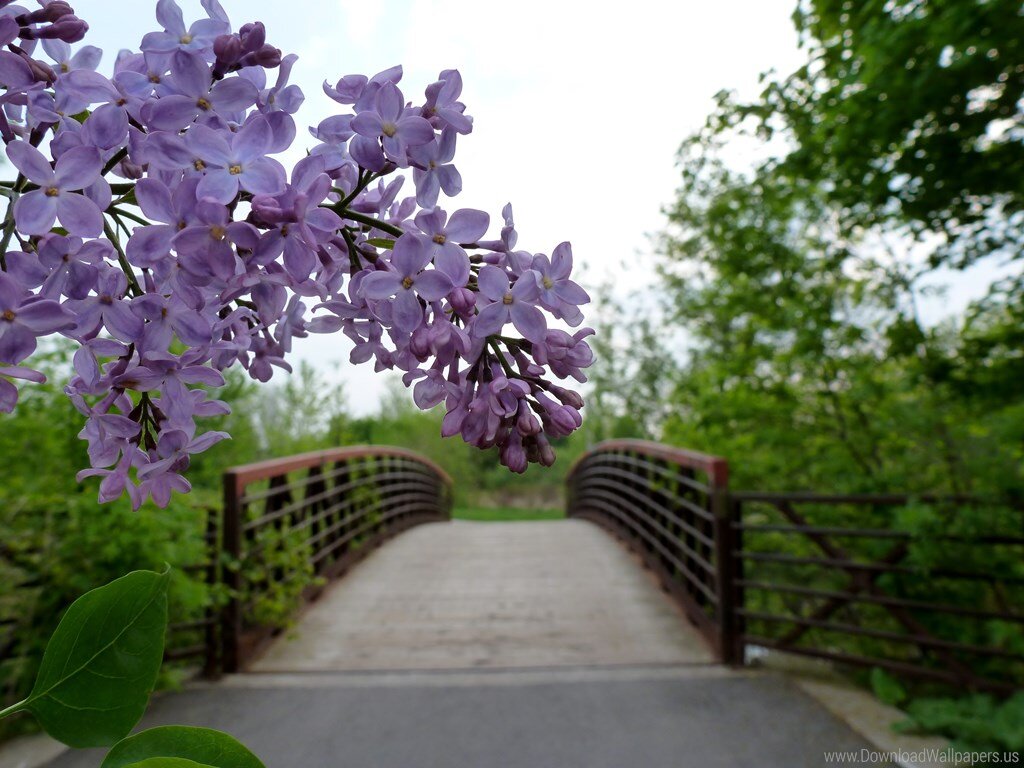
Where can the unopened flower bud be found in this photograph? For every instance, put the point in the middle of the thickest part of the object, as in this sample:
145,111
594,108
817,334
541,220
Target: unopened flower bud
420,344
526,421
252,36
567,419
40,70
228,50
545,451
267,57
462,300
567,396
51,12
268,210
70,29
513,455
131,170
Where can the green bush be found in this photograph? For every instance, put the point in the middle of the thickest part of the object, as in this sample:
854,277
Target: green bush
52,553
977,723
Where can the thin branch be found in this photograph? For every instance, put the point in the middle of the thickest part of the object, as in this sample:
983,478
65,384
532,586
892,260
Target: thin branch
120,155
369,221
9,222
122,259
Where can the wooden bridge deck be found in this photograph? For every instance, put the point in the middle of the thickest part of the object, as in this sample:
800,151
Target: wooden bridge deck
491,595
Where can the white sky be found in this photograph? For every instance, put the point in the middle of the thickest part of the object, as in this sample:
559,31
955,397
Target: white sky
578,111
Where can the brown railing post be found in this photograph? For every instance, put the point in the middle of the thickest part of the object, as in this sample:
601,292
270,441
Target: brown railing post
739,599
725,570
231,615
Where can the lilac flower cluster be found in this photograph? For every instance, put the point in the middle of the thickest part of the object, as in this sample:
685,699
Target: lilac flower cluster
151,223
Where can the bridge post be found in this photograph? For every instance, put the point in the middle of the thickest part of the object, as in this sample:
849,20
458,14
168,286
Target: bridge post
729,649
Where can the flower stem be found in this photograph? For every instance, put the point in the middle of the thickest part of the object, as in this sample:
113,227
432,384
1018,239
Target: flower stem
114,210
12,709
370,222
122,259
493,344
117,158
9,222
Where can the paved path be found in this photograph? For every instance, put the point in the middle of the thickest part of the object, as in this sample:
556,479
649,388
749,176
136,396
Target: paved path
495,595
620,718
518,645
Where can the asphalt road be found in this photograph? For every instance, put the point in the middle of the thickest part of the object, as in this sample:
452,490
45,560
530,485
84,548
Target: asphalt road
653,718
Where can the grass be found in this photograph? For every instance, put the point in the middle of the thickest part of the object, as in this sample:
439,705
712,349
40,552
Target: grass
505,514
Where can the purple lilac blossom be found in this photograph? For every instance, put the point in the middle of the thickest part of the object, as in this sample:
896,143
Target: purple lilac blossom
236,161
408,283
502,302
389,122
151,225
193,94
59,194
433,171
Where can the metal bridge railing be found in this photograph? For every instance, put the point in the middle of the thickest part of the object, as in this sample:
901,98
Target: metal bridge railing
328,509
830,576
671,506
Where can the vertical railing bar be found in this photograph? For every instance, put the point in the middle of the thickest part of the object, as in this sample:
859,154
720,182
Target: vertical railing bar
739,593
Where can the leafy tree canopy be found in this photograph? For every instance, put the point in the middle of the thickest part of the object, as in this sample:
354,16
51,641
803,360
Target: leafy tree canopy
907,113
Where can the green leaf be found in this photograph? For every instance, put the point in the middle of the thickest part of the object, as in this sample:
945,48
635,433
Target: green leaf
102,661
381,242
170,762
180,742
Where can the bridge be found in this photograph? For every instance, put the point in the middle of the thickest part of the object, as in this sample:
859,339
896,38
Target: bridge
615,637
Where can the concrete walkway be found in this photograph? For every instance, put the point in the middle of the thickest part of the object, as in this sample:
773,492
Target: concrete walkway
491,595
489,645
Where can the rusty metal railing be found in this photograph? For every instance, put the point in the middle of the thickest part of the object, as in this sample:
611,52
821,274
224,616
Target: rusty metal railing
671,507
321,512
832,577
829,576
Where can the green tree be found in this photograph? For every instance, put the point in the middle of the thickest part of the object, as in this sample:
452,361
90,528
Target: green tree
909,113
796,279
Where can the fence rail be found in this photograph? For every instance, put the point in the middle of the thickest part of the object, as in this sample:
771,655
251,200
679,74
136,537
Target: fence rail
935,605
823,575
313,515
